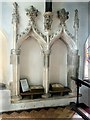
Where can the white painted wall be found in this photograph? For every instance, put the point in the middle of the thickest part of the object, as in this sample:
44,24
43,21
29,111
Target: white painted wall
1,75
4,59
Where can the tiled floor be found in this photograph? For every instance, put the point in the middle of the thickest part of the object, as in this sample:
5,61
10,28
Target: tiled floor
59,112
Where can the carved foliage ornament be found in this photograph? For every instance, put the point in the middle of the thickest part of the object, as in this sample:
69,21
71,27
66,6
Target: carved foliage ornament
48,20
63,16
15,15
76,20
32,12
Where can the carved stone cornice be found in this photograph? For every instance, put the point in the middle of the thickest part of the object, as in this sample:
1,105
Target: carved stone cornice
48,21
76,20
63,16
15,15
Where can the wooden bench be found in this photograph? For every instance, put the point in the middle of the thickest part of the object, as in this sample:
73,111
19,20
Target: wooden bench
32,94
35,90
61,92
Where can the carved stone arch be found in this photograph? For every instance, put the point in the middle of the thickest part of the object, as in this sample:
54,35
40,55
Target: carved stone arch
31,33
66,39
72,58
58,62
72,54
29,57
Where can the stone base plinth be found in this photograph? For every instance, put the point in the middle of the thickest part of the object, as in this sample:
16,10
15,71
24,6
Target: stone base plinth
16,98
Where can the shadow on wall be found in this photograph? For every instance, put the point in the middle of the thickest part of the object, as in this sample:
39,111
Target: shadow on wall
4,58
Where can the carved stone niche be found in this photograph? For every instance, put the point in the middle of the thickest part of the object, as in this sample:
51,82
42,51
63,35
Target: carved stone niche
55,57
63,59
56,60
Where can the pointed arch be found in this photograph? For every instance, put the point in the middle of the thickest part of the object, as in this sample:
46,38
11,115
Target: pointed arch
66,39
31,61
31,33
58,63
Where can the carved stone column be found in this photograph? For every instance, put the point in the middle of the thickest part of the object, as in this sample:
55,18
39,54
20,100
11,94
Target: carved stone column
46,74
47,27
73,70
75,56
15,55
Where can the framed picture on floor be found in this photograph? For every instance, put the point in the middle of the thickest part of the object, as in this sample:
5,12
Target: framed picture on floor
24,85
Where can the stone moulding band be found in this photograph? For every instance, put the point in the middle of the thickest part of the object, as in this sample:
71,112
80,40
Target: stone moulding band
15,51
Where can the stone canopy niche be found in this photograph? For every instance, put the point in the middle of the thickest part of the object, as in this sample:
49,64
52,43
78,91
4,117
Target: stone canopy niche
58,63
44,59
31,62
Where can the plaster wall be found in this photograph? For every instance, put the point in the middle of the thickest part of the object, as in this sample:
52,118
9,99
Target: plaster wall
4,59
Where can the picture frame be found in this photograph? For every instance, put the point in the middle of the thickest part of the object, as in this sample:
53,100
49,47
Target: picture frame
24,85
